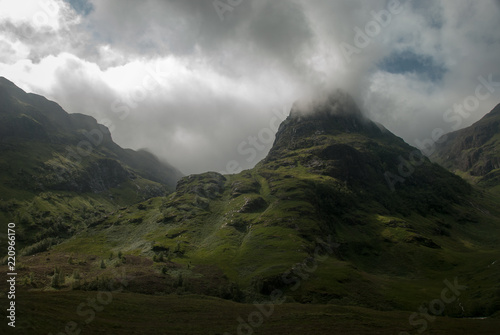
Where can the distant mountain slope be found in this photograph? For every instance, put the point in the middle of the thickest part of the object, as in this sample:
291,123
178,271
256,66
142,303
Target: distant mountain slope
474,152
316,220
64,168
32,117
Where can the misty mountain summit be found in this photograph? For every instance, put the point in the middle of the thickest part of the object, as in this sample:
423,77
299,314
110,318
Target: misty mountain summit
335,103
332,114
334,138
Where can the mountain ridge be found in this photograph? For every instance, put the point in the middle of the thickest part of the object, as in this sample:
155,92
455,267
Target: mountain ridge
32,116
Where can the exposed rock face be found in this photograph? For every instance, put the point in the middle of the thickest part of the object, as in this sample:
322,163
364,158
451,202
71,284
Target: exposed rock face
100,175
207,185
252,205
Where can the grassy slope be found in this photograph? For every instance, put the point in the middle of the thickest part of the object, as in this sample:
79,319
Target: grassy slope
40,210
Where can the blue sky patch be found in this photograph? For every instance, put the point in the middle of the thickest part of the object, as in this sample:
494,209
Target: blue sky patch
410,62
82,7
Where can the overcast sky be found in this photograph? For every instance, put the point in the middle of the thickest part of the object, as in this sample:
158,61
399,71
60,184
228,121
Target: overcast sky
203,84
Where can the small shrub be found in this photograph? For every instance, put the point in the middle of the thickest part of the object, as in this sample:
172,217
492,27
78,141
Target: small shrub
58,278
38,247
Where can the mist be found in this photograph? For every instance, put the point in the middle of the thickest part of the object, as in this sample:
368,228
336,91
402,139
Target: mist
205,84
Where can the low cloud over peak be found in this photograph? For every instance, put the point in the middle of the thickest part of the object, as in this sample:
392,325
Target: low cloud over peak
193,81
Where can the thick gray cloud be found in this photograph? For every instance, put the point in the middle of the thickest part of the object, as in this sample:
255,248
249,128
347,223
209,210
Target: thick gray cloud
204,88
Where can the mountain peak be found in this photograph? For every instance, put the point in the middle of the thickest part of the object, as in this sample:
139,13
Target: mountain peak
330,115
324,106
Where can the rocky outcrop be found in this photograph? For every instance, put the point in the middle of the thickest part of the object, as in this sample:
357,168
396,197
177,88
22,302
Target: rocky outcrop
97,177
206,185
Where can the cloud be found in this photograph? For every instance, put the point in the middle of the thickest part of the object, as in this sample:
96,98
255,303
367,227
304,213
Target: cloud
171,76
